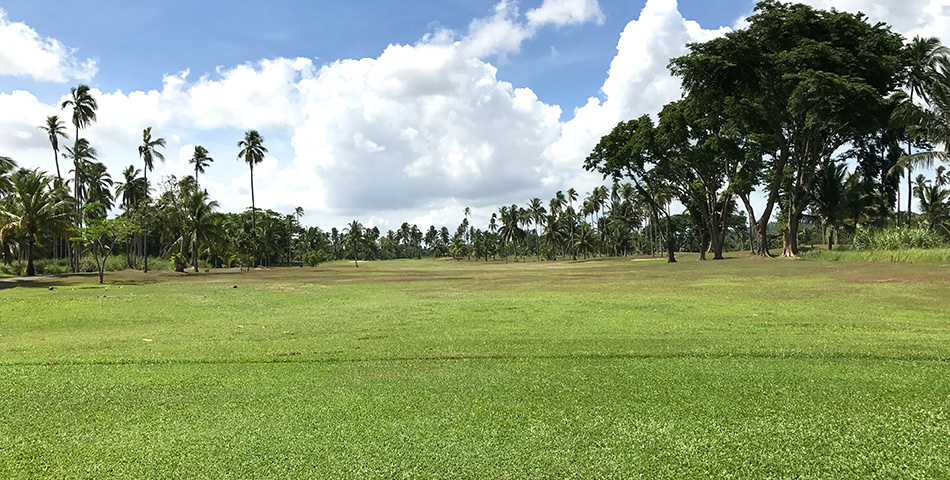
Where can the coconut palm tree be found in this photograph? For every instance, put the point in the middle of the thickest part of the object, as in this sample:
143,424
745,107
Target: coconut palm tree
129,192
200,160
98,187
934,206
252,152
200,221
353,236
54,128
926,57
84,107
536,208
82,153
829,197
6,166
148,151
33,210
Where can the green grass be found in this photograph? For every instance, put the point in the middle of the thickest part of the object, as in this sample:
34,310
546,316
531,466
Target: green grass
940,256
743,368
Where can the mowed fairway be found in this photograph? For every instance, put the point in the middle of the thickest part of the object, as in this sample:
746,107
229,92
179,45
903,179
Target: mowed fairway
440,369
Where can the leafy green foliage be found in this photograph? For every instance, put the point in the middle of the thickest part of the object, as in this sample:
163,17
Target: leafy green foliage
896,239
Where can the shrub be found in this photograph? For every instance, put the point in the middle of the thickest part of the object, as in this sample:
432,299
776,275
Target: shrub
314,258
896,239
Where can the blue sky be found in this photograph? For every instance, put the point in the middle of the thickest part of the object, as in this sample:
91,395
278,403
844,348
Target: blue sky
138,42
380,110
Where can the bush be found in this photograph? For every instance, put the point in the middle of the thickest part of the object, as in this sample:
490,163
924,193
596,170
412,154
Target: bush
314,258
896,239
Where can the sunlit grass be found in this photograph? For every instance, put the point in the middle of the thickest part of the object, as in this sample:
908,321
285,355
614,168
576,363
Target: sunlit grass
443,369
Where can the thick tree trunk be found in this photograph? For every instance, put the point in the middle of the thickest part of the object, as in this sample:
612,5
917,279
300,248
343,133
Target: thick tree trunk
830,238
790,235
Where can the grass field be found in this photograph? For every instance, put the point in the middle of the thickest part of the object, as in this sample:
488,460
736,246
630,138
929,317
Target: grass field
439,369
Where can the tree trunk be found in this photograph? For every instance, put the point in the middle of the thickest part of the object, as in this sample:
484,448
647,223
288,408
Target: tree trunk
145,232
910,197
830,238
670,242
30,269
790,235
253,208
195,253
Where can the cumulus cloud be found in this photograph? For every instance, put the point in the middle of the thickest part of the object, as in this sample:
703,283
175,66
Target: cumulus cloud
637,83
417,133
23,52
566,12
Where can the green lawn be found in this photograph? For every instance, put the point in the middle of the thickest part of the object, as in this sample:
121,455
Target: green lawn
439,369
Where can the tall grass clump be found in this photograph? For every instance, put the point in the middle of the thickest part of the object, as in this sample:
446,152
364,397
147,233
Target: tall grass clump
896,239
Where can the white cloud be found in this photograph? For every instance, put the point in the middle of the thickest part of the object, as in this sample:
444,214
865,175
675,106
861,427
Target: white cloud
638,83
23,52
419,132
566,12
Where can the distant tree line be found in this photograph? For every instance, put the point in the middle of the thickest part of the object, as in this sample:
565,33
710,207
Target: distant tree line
782,107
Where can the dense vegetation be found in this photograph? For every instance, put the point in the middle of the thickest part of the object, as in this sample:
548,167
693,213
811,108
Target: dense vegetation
782,108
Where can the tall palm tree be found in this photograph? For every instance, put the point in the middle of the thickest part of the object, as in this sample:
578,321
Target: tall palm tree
148,150
252,152
200,160
84,107
536,207
34,209
924,55
55,128
353,236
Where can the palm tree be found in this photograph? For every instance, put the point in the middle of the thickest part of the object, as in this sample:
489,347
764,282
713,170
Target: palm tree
298,212
129,192
924,54
934,206
82,153
353,236
200,220
537,213
510,230
148,150
6,166
200,160
829,197
252,152
98,186
34,209
55,128
84,107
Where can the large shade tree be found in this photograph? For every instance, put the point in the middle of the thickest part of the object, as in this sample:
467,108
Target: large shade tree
808,82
